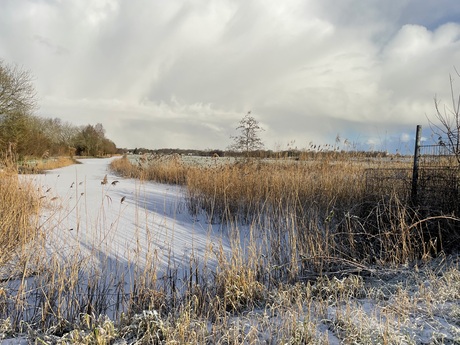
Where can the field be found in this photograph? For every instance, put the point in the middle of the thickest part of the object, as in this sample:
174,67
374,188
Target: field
181,250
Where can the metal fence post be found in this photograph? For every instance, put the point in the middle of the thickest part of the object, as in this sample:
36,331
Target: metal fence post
418,136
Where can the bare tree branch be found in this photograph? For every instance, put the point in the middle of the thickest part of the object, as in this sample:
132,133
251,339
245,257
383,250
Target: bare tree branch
446,122
249,139
17,93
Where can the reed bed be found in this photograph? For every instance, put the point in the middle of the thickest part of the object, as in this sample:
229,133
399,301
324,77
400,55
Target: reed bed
251,188
34,166
313,260
314,214
417,304
19,207
163,170
54,163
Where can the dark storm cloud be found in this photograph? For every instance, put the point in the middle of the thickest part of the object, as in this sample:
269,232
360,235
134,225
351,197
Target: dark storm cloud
184,73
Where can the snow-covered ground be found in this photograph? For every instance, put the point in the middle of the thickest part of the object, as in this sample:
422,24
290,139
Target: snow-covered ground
109,233
92,209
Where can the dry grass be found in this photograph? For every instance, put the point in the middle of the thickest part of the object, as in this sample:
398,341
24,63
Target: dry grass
59,162
403,306
19,206
251,188
321,210
311,262
125,168
39,166
166,169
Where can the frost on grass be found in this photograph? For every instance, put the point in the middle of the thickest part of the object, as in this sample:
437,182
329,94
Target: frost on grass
146,271
401,306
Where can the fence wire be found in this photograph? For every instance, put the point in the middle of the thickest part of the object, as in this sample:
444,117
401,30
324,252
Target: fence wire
389,181
437,156
437,185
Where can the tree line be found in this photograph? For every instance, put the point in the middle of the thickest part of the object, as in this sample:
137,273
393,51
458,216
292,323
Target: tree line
24,134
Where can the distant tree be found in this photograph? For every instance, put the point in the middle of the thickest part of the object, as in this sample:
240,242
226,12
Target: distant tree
108,147
38,142
30,135
88,141
249,139
68,134
91,141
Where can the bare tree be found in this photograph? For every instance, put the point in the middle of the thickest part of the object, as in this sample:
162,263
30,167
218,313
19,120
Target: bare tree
17,93
447,122
68,134
17,102
249,139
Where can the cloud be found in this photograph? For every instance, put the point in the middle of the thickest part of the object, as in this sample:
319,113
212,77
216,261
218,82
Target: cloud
167,123
57,49
405,137
182,74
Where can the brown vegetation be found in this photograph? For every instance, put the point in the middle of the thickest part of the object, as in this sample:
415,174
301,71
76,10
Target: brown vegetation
162,169
19,204
319,213
38,166
318,248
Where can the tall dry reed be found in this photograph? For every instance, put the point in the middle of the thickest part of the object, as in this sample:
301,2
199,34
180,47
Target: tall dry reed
163,169
19,206
313,215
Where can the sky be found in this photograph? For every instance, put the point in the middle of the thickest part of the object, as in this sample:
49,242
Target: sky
182,74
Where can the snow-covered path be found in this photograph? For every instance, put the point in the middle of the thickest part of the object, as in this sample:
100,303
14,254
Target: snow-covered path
125,221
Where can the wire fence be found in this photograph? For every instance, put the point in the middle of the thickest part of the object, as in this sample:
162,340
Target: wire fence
432,183
440,156
381,182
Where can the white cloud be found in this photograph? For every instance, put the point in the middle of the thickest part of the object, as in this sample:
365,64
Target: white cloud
405,137
182,74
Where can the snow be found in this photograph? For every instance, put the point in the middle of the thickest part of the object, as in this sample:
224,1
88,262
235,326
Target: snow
120,229
88,215
15,341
